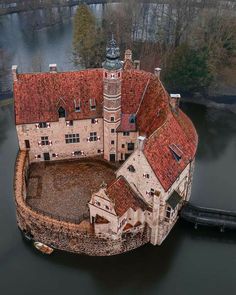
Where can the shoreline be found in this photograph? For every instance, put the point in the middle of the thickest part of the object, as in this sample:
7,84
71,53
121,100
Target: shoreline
213,102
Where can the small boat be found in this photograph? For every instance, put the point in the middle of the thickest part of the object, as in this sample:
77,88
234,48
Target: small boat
43,248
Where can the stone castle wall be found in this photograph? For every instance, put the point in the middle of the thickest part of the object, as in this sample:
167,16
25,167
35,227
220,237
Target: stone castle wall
64,235
56,134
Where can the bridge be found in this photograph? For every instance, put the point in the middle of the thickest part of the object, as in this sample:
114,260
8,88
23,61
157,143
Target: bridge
209,217
14,6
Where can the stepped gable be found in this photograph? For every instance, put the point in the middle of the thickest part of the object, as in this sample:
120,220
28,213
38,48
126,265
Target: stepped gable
132,89
38,96
160,146
154,107
120,192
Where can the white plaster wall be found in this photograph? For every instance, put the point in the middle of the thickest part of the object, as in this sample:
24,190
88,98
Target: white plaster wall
56,133
139,183
125,140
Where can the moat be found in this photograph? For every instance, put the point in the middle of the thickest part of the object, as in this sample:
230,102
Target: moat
189,262
180,261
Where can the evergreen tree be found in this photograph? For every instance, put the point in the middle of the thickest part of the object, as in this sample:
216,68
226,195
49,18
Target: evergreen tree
88,39
188,70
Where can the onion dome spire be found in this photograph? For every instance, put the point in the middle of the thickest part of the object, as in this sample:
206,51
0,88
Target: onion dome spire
112,61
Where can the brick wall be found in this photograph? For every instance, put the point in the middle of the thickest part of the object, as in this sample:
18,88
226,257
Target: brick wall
64,235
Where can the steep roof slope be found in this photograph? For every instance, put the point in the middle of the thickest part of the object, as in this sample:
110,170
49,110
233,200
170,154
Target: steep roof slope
124,197
154,107
38,96
170,149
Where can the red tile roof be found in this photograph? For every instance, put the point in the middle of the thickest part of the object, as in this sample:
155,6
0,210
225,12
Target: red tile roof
124,197
38,96
154,107
159,153
125,124
132,89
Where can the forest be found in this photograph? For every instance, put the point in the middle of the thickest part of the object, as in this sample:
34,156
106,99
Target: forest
192,44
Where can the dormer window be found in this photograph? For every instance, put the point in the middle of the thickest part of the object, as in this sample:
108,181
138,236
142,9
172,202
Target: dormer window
176,152
77,106
61,112
132,119
42,125
92,103
131,168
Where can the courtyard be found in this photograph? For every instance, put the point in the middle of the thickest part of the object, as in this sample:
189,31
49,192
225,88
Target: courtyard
62,189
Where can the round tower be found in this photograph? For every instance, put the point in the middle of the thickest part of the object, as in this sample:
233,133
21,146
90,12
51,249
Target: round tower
112,75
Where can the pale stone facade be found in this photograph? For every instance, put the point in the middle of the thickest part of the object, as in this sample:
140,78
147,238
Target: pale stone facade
147,207
57,147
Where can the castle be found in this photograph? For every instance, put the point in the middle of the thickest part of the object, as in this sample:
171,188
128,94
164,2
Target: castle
123,115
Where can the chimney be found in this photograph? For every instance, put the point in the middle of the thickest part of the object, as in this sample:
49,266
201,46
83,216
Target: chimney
157,72
53,68
137,64
140,143
14,69
128,54
174,102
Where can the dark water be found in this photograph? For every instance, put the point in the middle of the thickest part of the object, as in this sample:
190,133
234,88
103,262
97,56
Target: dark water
189,262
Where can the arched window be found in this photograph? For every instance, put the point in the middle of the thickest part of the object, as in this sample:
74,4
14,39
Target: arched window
61,112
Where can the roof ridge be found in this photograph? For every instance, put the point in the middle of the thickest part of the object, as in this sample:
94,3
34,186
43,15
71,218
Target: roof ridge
144,92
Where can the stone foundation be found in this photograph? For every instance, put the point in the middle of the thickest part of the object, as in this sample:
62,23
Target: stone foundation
76,238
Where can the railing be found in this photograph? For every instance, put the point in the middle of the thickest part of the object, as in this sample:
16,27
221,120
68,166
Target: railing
209,216
12,6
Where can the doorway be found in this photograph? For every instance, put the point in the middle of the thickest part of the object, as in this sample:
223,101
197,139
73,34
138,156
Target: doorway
112,157
46,156
27,144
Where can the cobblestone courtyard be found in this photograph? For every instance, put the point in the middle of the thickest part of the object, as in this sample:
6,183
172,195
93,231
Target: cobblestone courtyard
63,188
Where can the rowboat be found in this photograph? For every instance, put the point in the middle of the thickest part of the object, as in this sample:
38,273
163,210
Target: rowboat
43,248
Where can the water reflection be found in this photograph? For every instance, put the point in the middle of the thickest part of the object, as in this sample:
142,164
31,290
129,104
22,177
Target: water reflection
181,265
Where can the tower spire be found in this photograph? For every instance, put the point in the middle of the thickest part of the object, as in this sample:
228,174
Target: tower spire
112,61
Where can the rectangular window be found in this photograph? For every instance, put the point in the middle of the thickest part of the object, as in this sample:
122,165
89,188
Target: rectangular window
169,212
77,153
126,133
130,146
77,106
94,121
113,142
72,138
146,175
112,130
93,136
27,144
152,191
123,146
92,103
112,119
44,140
69,123
43,125
99,151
